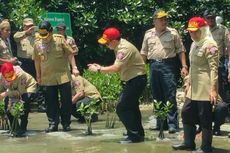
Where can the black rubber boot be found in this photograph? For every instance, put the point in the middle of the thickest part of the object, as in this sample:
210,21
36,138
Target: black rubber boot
189,137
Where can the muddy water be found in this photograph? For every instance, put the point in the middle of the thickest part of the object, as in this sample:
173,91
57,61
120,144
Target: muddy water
103,140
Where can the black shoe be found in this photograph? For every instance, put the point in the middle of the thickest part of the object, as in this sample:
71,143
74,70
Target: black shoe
20,133
128,140
183,147
66,128
51,129
172,130
201,151
216,132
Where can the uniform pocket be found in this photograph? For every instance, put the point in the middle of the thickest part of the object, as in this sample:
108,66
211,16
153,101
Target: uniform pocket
58,52
151,43
168,43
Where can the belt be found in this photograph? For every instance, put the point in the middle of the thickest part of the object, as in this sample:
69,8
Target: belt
162,60
139,76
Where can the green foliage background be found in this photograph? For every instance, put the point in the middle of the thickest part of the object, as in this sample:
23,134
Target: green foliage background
132,17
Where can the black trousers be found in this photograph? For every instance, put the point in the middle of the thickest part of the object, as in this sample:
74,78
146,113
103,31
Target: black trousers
58,108
163,82
28,66
128,107
197,112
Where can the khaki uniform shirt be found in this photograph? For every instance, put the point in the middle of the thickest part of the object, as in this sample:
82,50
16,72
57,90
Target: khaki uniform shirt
4,51
80,84
54,60
221,35
70,41
25,44
161,46
130,60
24,83
203,73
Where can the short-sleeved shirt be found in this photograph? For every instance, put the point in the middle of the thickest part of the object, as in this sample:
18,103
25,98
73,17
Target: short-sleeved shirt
129,59
24,83
53,57
80,84
161,46
25,44
4,51
222,37
72,43
203,72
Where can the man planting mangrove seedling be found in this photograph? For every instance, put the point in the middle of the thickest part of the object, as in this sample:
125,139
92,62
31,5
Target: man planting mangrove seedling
83,92
130,65
17,85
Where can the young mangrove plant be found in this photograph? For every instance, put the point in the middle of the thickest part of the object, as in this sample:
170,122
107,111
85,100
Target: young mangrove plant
110,118
161,112
3,118
87,111
16,110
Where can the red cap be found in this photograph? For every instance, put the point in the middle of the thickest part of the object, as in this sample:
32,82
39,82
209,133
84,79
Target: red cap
196,23
8,71
108,35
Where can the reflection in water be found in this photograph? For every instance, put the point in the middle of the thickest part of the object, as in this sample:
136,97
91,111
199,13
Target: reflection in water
103,140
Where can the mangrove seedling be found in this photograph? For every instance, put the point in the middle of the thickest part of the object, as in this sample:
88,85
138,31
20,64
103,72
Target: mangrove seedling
110,119
87,111
16,110
161,112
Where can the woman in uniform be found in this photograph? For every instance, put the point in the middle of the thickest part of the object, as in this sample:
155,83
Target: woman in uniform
200,87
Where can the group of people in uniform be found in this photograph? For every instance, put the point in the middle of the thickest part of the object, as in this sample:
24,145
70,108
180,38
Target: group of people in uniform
52,55
39,56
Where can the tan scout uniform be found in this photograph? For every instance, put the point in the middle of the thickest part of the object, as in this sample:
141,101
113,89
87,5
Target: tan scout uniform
25,44
203,73
70,41
221,35
21,89
80,84
54,61
24,83
128,57
165,45
4,51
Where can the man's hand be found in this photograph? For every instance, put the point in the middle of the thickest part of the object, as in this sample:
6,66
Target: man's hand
94,67
229,75
184,72
186,87
213,97
30,30
3,95
75,71
13,60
